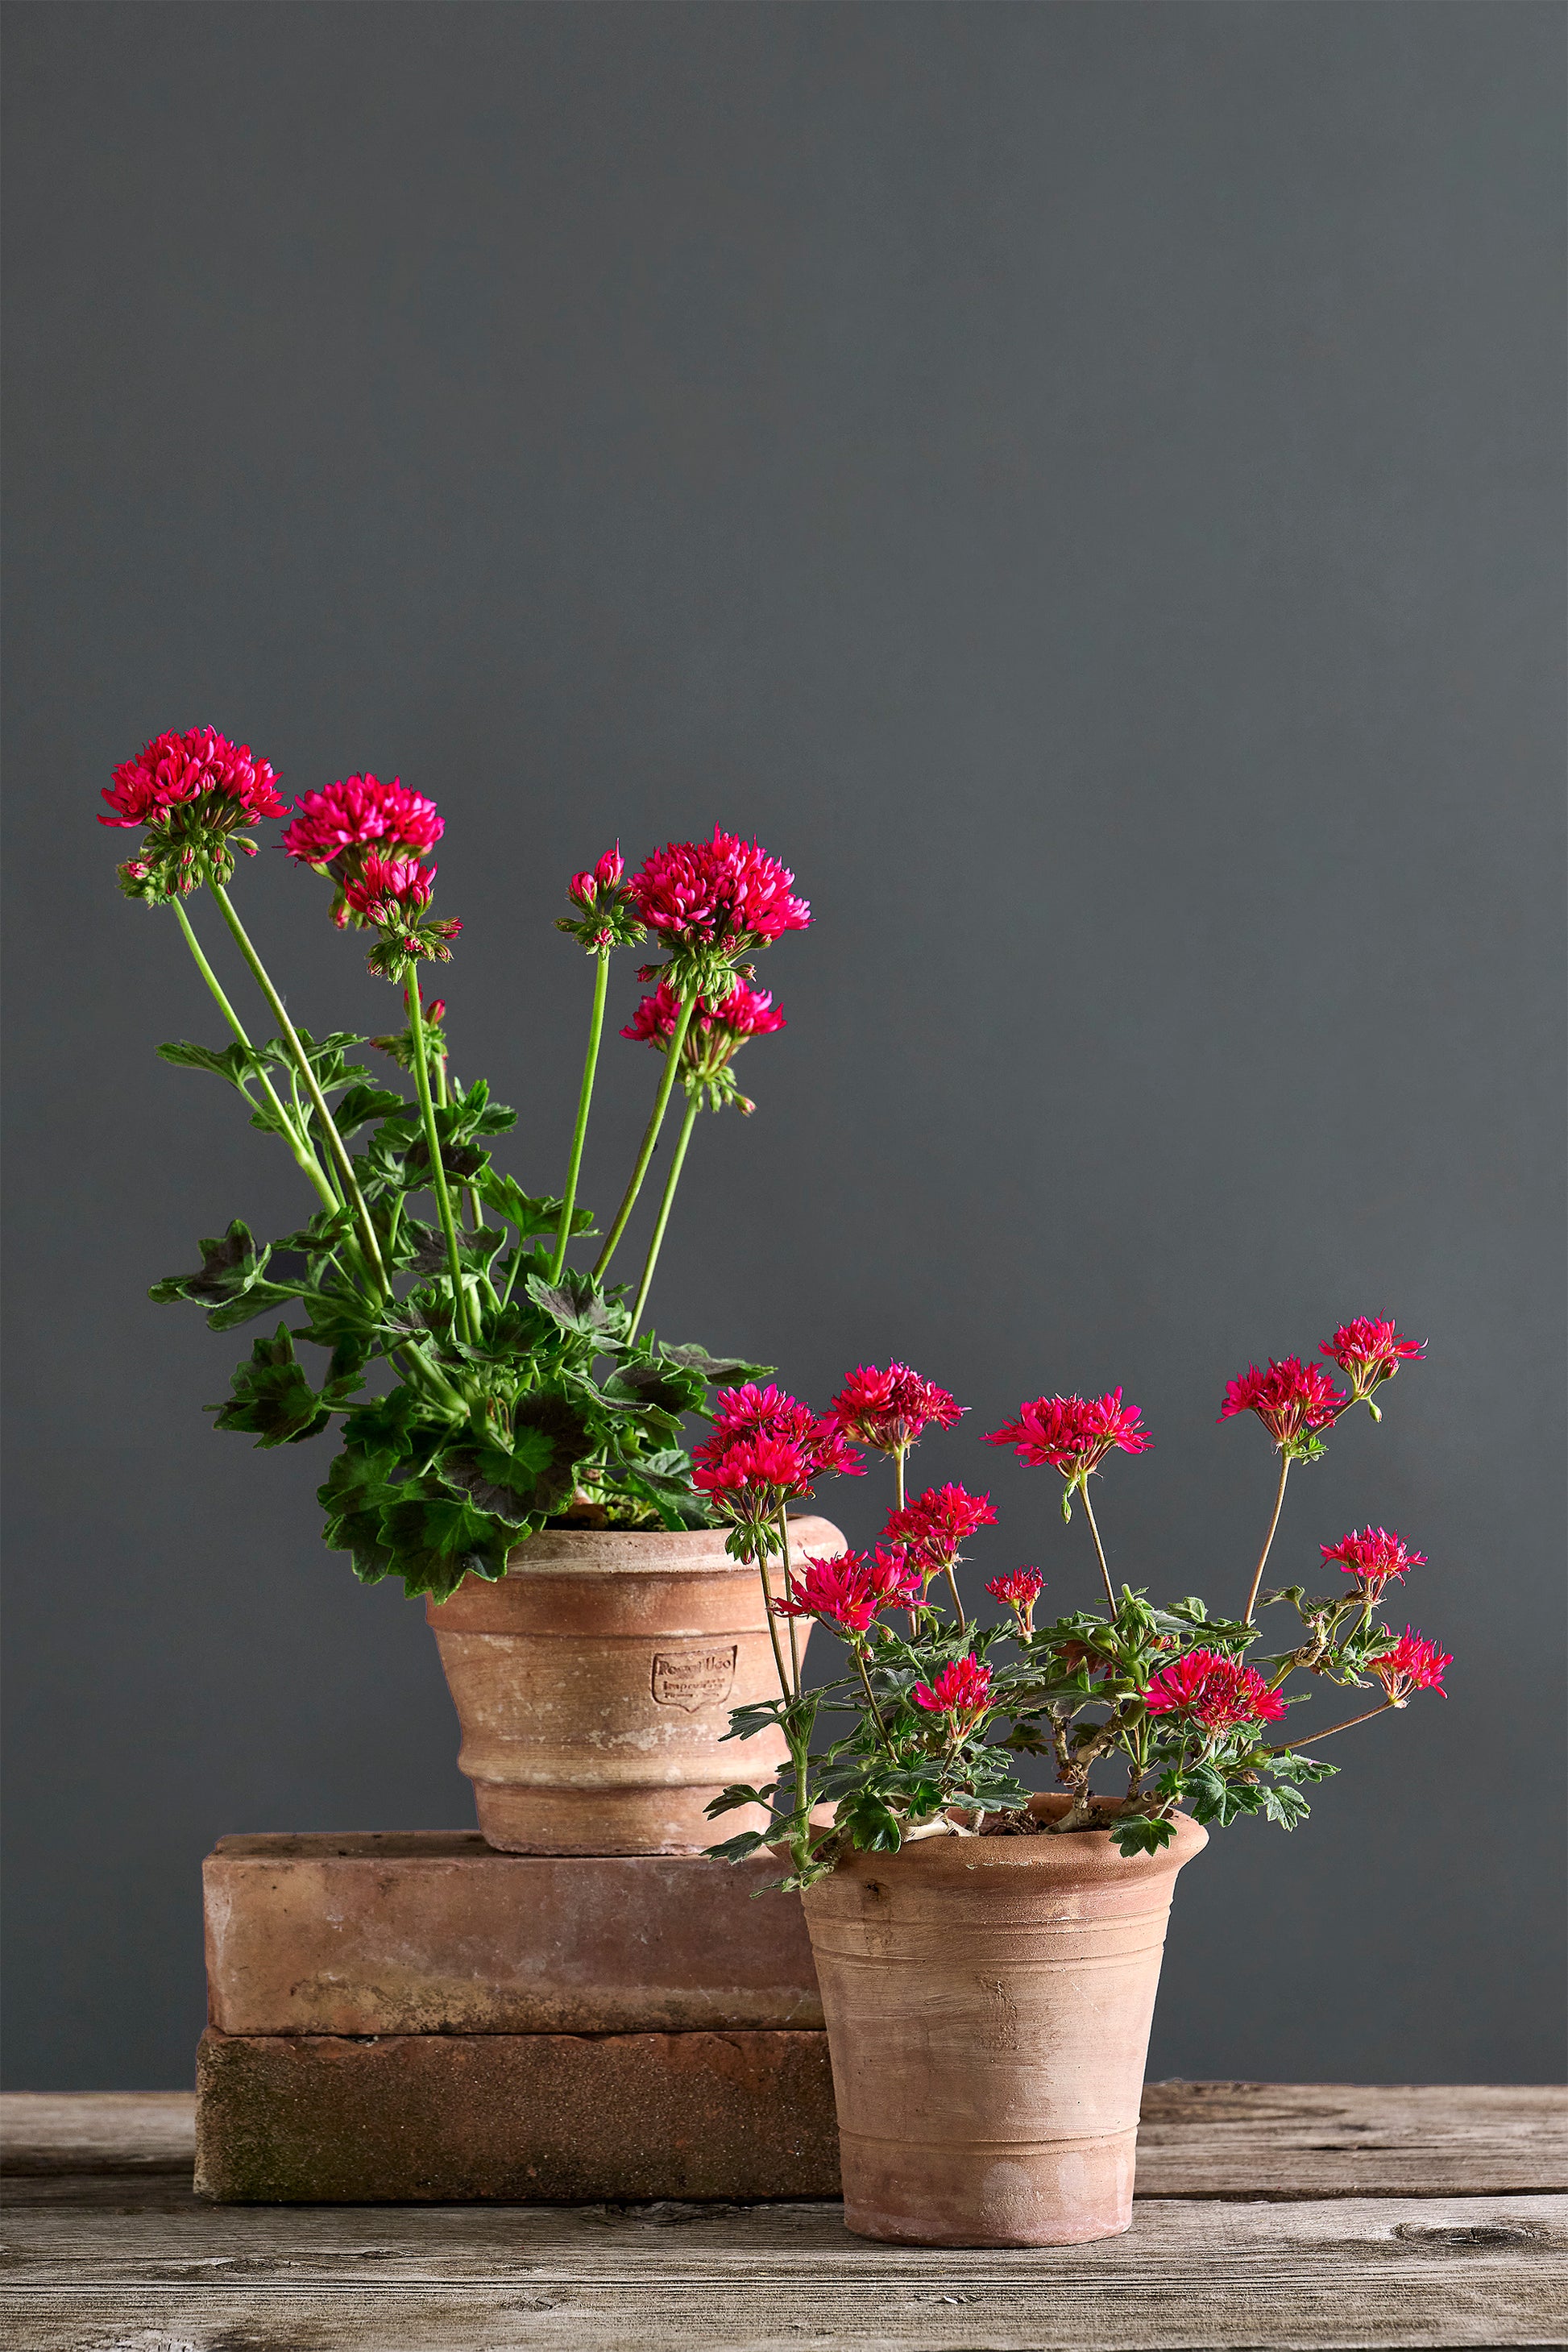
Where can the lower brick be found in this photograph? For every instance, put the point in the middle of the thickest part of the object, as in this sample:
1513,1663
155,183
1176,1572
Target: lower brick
551,2118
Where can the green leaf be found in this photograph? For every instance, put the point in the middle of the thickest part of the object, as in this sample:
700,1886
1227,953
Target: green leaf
437,1542
871,1826
1136,1833
394,1426
356,1492
757,1714
736,1849
230,1264
713,1369
362,1104
235,1063
1285,1806
260,1299
529,1215
272,1400
579,1306
730,1800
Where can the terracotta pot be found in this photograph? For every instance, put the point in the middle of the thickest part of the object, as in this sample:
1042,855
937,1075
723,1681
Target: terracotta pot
593,1683
988,2005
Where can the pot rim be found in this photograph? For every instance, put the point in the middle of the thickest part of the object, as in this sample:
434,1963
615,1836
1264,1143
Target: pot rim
1081,1854
643,1551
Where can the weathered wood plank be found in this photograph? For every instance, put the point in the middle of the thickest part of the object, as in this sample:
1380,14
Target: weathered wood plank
1198,2139
1341,2272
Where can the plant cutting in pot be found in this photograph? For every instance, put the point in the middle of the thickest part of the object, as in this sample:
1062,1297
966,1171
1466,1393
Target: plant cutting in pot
510,1436
989,1959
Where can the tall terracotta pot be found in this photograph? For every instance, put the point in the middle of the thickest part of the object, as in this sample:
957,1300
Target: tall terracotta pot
593,1683
988,2003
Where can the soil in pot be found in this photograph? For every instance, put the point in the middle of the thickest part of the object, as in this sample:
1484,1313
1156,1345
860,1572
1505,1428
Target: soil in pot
593,1683
988,2002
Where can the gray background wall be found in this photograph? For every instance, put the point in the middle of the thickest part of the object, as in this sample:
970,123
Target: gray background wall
1083,483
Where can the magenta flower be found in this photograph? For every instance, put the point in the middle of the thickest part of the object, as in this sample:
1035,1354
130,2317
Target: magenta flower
1020,1589
713,902
1414,1664
888,1409
1373,1558
1073,1433
194,794
961,1690
1214,1691
714,1035
393,894
607,916
935,1523
1292,1400
361,813
766,1451
848,1591
1370,1351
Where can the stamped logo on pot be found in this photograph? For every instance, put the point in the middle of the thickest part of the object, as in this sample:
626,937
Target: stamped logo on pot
693,1678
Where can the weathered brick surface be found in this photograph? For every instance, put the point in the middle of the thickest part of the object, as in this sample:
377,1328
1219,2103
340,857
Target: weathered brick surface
434,1932
527,2118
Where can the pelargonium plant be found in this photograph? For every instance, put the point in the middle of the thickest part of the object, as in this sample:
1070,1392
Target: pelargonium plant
483,1386
941,1708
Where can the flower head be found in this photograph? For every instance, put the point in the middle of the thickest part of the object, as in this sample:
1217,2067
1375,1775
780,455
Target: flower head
888,1409
961,1690
194,794
1414,1664
848,1591
361,813
712,903
935,1523
1373,1558
392,894
1073,1433
606,918
1370,1351
1292,1400
714,1035
766,1451
1020,1589
1216,1692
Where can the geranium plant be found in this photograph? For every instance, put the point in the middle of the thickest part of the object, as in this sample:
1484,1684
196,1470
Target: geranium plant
940,1709
483,1385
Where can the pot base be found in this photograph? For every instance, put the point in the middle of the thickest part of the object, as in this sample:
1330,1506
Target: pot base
1056,2193
664,1820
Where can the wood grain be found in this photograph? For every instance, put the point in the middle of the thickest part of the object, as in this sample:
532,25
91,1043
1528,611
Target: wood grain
1341,2273
108,2250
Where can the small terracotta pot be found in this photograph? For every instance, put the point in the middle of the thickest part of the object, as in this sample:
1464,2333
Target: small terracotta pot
593,1683
988,2003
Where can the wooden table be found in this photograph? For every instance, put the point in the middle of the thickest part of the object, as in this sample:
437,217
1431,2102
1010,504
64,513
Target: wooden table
1268,2216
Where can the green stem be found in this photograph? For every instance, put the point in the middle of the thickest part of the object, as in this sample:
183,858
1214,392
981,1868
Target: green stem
1099,1547
870,1695
773,1625
584,1100
1268,1540
952,1580
687,1124
465,1303
305,1158
312,1084
655,1120
443,1099
1313,1737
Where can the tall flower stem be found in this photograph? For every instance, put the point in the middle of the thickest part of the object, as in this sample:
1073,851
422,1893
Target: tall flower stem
794,1642
466,1309
585,1101
1099,1547
650,1137
860,1657
303,1155
952,1581
687,1124
1268,1540
1348,1725
772,1622
286,1030
443,1099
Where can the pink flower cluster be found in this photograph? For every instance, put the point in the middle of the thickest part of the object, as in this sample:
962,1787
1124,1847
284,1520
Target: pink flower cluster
961,1690
1414,1664
1020,1589
766,1451
1073,1433
1216,1692
1374,1558
851,1591
935,1523
1292,1400
713,901
606,917
199,775
361,813
888,1409
391,891
744,1012
1370,1351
